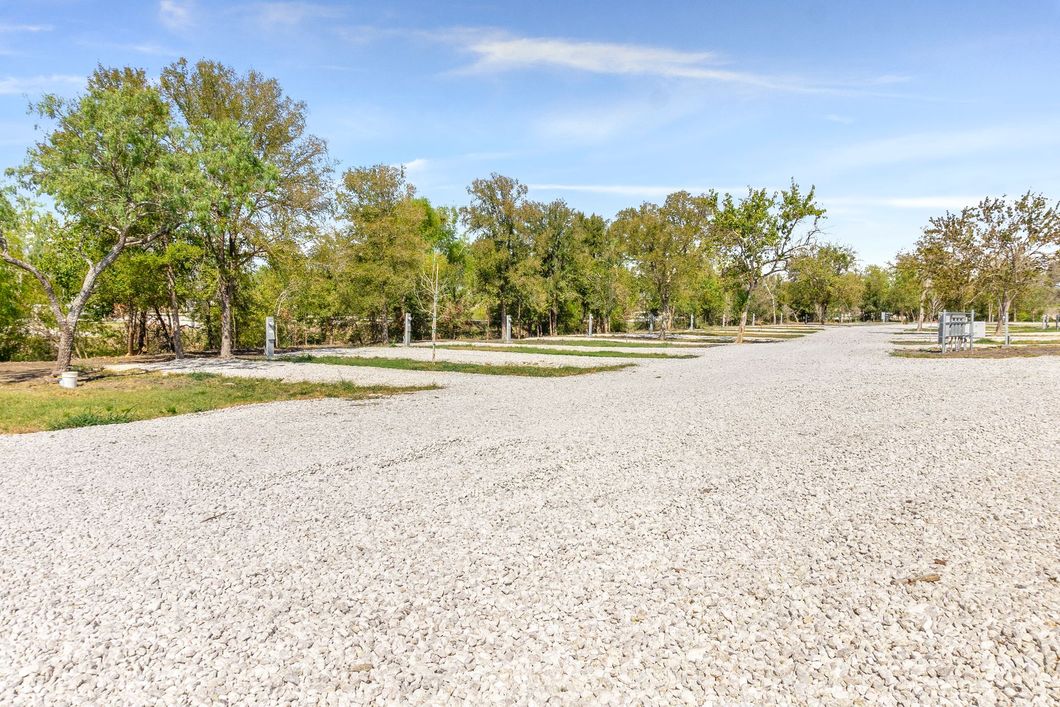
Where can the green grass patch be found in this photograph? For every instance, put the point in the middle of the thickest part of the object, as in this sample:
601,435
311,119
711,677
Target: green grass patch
114,398
549,351
504,369
596,343
749,334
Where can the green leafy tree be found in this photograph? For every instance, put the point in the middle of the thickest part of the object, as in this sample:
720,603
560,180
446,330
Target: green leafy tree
116,183
1018,239
761,233
665,246
817,278
495,220
268,191
386,230
877,291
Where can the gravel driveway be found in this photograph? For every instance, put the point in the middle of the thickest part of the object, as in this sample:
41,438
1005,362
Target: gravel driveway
807,521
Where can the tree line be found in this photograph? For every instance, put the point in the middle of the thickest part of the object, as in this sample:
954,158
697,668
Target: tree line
191,206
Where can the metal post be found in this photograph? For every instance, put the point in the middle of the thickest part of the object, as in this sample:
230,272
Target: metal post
691,322
971,331
270,337
1008,339
651,323
408,328
590,324
508,328
942,330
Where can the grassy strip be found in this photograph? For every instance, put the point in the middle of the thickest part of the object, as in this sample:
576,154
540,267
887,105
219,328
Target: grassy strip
594,343
114,398
528,349
748,334
505,369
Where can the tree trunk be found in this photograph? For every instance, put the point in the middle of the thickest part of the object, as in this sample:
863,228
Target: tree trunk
174,314
1004,306
66,346
227,333
920,315
141,332
434,317
743,324
130,330
165,327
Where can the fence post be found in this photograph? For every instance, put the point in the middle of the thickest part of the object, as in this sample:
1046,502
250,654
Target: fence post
270,337
942,330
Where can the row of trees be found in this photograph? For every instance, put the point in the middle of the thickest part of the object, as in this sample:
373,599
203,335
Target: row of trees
201,194
987,257
192,206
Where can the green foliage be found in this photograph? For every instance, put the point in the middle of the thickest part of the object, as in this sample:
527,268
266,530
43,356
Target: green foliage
819,279
761,233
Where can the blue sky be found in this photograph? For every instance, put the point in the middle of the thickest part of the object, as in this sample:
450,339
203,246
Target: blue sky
895,110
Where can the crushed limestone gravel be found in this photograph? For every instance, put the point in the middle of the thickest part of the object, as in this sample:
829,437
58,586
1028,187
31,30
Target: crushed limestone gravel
806,521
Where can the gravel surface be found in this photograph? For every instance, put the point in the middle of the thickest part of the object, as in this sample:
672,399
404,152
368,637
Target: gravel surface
809,521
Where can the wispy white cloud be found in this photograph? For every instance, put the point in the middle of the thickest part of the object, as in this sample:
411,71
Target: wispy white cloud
841,119
647,191
148,48
176,14
416,166
498,52
276,15
928,203
933,146
19,29
60,83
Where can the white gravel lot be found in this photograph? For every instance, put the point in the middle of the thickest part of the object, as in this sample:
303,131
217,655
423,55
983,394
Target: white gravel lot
738,527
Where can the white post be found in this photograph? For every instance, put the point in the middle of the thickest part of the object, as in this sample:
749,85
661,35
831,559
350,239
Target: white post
590,323
691,322
651,323
270,337
508,328
942,330
408,328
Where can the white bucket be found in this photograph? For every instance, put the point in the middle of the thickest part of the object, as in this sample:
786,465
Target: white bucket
68,379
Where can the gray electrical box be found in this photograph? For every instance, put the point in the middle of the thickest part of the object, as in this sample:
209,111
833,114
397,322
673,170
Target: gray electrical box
956,330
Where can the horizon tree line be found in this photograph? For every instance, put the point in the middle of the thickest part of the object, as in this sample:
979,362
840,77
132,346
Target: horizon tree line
202,196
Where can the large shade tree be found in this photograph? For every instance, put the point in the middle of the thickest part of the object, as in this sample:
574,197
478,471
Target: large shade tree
115,182
495,219
253,214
